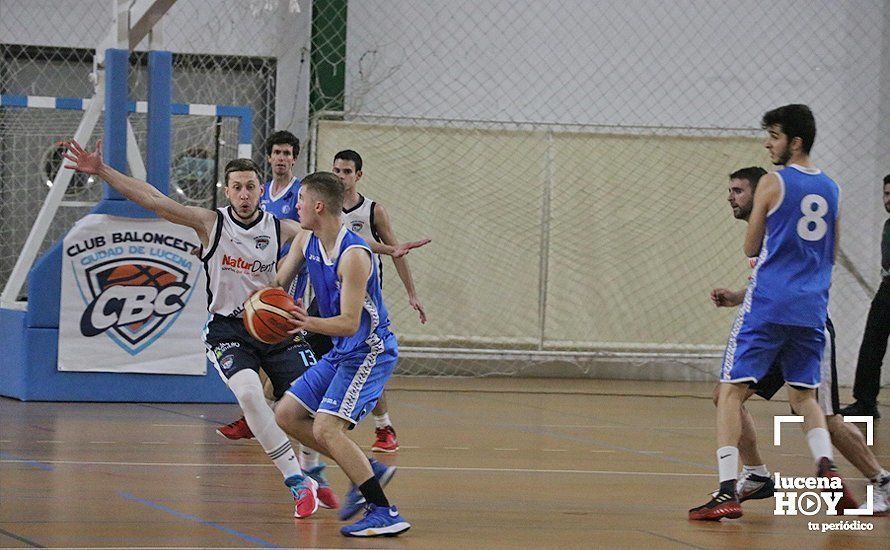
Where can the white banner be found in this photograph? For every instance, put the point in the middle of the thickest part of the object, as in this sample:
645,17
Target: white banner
133,298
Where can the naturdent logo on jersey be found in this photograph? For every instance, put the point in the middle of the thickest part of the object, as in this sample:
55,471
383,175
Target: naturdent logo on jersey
810,495
133,284
239,264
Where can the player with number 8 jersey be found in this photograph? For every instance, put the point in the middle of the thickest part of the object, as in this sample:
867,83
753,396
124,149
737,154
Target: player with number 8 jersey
793,273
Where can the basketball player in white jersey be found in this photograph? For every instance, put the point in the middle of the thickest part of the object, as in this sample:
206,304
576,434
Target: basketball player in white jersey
241,243
371,221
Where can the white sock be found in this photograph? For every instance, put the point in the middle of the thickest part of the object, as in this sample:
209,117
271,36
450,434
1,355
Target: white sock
382,421
308,457
760,470
820,444
246,386
728,463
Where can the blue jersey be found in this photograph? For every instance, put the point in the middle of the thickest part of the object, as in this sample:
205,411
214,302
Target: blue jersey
374,327
790,283
284,207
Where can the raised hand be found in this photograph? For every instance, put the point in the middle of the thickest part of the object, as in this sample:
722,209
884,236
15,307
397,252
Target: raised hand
84,161
405,248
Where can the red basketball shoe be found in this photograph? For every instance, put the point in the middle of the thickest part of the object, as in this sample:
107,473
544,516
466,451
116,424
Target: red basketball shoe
236,430
721,506
386,441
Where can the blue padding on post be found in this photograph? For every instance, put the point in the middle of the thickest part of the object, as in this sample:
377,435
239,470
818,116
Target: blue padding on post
13,100
179,108
245,127
69,103
122,208
115,135
12,360
45,289
44,382
160,96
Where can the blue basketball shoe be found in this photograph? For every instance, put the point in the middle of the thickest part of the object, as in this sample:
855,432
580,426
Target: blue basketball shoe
354,499
377,522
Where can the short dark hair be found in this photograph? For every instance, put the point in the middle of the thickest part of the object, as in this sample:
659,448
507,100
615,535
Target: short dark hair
328,187
796,120
886,179
751,173
242,165
349,154
282,137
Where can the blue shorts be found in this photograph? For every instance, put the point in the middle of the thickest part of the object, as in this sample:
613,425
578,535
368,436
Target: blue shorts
759,345
347,386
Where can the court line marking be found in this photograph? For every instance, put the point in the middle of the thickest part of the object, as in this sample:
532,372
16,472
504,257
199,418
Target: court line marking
678,541
505,449
554,450
102,442
196,519
456,448
409,468
154,442
21,539
6,457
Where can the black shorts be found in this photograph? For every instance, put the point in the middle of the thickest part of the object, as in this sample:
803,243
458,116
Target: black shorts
231,349
827,393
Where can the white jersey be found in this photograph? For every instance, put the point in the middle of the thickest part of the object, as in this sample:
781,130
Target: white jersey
240,259
360,219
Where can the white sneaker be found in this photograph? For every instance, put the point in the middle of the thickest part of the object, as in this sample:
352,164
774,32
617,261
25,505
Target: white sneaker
751,486
881,497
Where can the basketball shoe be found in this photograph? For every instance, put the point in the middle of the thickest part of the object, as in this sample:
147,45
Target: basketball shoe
386,441
354,498
754,487
724,505
828,469
377,522
326,496
881,497
236,430
305,492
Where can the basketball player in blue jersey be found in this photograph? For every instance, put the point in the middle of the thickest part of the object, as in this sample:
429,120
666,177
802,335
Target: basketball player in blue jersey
346,383
238,235
793,233
755,481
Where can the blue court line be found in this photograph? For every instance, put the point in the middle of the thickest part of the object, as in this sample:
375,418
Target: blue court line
196,519
39,465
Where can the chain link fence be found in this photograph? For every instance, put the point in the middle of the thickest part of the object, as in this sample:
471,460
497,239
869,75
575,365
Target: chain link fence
570,160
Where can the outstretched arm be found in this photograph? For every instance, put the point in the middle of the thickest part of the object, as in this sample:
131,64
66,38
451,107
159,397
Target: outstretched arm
140,192
383,225
398,250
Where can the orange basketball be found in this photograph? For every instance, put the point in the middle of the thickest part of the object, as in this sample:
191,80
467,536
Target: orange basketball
266,316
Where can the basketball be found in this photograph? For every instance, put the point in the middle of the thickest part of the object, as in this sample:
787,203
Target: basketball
266,316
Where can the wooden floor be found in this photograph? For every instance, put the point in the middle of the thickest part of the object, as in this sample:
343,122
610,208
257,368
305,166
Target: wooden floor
485,463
